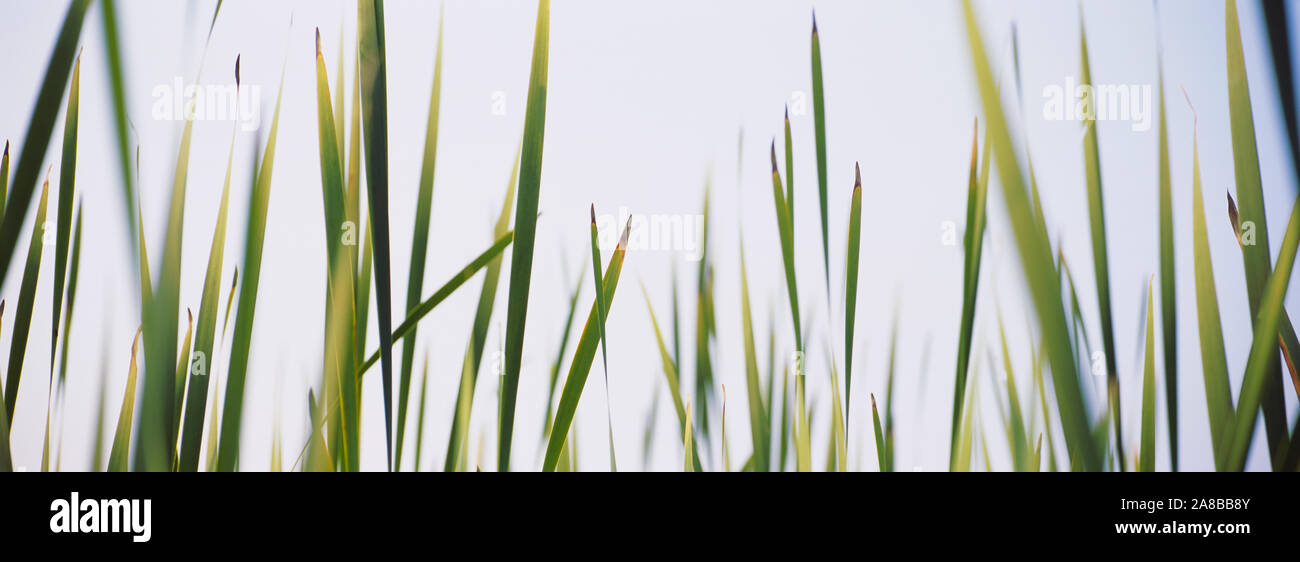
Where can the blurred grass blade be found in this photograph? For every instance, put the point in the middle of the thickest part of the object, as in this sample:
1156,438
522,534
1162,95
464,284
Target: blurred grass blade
881,464
37,141
26,301
1147,456
420,240
118,456
6,457
1036,259
1020,451
973,248
182,373
759,423
674,383
688,443
1255,245
254,240
63,214
73,270
583,357
374,101
1101,262
521,264
603,310
482,316
121,122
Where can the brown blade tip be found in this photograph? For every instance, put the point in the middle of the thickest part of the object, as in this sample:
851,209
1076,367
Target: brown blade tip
318,41
237,70
857,177
774,156
593,214
1234,217
814,18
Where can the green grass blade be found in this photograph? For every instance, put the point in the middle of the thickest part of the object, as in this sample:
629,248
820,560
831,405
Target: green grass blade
37,141
1214,362
6,457
603,310
1263,350
482,316
819,124
1036,259
881,463
254,240
73,269
1168,301
420,240
121,122
119,455
424,308
1020,450
559,355
851,265
179,380
521,264
1101,262
1255,247
1147,458
4,178
674,383
976,223
583,357
63,214
759,424
374,100
26,302
200,367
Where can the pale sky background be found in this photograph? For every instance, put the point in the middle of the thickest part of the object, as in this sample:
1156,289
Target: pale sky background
645,103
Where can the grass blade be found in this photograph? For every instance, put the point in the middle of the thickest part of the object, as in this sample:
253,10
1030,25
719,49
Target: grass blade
118,456
1168,302
759,423
1036,259
1101,263
420,239
374,100
37,141
521,264
254,240
63,215
674,383
976,223
559,358
819,124
583,357
881,463
121,122
854,245
26,301
603,310
1147,459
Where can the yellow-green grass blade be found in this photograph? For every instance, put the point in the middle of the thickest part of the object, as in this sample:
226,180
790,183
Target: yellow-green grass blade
121,122
758,417
427,306
838,450
26,302
674,383
6,457
584,355
802,432
1255,247
340,126
419,419
254,240
726,451
1147,458
889,391
178,388
851,265
1101,262
350,392
419,242
63,214
374,101
341,265
786,231
118,456
602,309
1168,302
1036,258
704,327
1214,362
647,439
1019,437
1263,352
201,363
35,144
789,166
559,355
521,264
482,316
819,125
973,246
688,443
